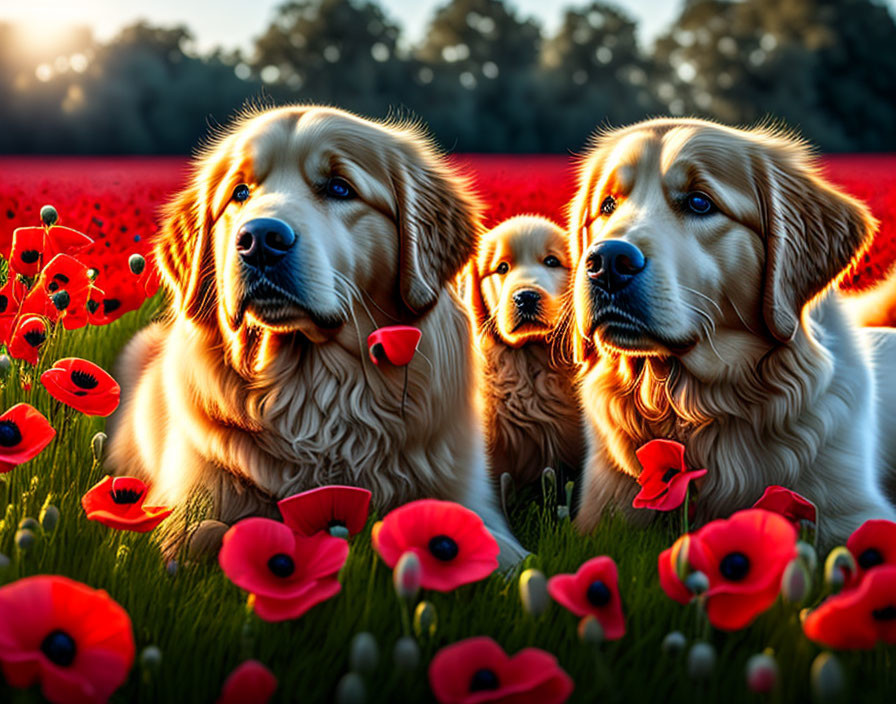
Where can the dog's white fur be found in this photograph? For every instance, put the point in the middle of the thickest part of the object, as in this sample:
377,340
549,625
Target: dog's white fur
254,402
746,352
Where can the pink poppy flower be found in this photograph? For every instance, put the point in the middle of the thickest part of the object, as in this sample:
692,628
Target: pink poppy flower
325,508
477,670
788,503
452,543
117,502
872,544
394,343
858,618
593,589
250,683
287,573
665,477
75,641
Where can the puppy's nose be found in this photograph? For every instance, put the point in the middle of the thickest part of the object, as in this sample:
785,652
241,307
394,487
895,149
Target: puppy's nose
526,300
264,241
612,264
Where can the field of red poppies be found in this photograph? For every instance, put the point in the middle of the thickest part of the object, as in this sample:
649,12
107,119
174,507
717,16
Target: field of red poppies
336,604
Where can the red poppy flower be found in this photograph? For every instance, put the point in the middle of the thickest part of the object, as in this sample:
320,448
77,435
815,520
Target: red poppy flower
394,343
665,477
82,385
121,292
287,573
593,589
250,683
62,274
789,504
743,558
858,618
65,240
872,544
12,293
27,339
325,508
117,502
26,255
451,541
24,432
477,670
76,641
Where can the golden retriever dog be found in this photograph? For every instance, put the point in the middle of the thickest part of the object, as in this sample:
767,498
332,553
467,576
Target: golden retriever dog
302,230
707,312
516,286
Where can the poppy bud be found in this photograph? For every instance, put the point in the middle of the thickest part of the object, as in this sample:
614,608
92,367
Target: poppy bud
701,660
5,366
796,582
136,263
49,517
697,583
97,445
406,653
61,299
121,556
363,653
48,215
338,531
808,555
350,689
762,673
682,565
839,568
674,643
534,592
549,485
590,631
425,619
29,524
4,562
827,678
92,274
25,540
150,659
562,511
171,567
506,493
406,576
570,487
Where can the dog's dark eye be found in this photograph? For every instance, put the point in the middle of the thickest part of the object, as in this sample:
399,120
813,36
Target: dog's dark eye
608,205
240,193
338,187
503,268
551,261
699,203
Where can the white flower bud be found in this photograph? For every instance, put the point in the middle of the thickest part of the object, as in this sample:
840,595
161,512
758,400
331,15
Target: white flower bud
674,643
701,660
827,678
407,575
796,582
363,653
534,592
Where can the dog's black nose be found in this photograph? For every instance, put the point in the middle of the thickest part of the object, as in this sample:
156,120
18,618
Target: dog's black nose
612,264
526,300
264,241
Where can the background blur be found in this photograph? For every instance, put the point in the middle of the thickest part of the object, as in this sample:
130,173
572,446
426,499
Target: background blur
485,75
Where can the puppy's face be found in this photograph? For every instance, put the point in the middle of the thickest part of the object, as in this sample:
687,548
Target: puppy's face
691,240
521,274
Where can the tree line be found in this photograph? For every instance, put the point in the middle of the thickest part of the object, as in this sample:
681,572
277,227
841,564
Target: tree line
484,78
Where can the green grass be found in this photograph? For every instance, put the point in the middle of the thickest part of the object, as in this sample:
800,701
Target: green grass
200,622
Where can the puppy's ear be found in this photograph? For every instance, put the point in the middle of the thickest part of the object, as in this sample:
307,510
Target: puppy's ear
182,247
473,294
813,232
439,222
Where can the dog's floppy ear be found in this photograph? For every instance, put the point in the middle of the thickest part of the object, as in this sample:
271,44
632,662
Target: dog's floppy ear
439,222
813,232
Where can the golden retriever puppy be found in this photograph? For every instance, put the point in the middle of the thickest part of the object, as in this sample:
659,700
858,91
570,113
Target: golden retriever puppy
302,230
706,312
516,286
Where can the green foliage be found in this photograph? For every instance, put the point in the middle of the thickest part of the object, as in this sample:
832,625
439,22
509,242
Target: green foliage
200,622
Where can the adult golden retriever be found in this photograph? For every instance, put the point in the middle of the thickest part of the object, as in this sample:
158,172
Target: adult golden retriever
707,312
302,230
516,286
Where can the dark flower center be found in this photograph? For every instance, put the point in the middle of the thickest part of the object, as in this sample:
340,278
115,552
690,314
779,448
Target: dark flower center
870,558
4,301
61,277
281,565
598,593
92,306
671,472
484,679
887,613
52,286
111,304
734,566
126,496
10,435
336,523
60,648
83,379
443,548
29,256
35,338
